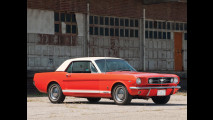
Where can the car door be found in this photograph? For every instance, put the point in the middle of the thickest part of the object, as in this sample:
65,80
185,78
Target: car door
81,79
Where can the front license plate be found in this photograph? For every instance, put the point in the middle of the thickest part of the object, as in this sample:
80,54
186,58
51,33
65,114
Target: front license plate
161,93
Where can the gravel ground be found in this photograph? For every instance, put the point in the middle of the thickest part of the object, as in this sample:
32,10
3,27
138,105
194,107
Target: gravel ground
40,108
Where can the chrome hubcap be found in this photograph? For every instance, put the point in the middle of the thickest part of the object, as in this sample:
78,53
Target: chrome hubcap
54,92
119,94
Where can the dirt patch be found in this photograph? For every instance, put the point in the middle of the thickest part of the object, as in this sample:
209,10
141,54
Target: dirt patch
79,108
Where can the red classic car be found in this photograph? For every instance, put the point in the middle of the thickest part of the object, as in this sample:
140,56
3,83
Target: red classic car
105,77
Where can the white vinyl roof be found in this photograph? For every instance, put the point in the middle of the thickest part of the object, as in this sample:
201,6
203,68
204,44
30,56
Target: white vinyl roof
65,64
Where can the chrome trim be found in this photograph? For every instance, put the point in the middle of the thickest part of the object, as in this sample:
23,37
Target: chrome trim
86,91
155,87
161,80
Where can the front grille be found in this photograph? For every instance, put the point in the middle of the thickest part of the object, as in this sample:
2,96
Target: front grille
160,80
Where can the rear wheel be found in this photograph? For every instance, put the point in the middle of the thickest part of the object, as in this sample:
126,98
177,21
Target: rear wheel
121,96
160,99
93,100
55,94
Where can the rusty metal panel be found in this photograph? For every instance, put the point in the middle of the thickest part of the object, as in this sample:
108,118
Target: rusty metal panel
62,40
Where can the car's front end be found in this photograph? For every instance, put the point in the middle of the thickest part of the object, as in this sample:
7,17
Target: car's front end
155,86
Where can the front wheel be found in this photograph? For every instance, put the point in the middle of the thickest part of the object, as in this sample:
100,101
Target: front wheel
121,96
160,99
55,93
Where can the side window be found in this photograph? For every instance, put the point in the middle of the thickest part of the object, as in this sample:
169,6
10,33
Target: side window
81,67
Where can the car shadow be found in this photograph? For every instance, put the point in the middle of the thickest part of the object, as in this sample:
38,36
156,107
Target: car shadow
131,104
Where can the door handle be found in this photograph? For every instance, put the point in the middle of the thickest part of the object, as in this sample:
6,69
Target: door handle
68,75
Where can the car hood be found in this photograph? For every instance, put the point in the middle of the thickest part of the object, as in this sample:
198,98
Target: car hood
142,74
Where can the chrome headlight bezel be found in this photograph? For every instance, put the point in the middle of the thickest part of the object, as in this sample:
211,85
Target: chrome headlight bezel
175,80
138,81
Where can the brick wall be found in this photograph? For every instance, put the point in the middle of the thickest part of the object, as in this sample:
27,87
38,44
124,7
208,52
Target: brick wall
121,8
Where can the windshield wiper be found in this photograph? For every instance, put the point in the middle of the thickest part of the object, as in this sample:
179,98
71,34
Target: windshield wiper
125,70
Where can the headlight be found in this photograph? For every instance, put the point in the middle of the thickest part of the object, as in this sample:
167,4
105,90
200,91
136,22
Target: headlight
138,81
150,81
175,80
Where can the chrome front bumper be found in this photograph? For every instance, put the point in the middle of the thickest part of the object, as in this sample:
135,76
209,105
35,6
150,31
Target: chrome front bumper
163,87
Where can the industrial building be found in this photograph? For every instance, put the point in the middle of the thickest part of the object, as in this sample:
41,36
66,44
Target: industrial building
150,34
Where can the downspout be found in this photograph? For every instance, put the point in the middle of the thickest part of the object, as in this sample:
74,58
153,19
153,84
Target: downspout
87,29
144,44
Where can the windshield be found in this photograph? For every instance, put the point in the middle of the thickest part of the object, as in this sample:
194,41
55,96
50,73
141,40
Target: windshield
110,65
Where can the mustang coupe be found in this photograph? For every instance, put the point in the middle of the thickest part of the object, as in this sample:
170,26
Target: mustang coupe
105,77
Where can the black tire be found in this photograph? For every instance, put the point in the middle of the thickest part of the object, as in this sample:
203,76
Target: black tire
124,98
93,100
55,94
160,99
